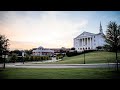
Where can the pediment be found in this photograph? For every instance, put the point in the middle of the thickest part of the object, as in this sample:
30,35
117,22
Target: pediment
84,34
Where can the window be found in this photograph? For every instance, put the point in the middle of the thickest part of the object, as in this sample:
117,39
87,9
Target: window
94,36
94,40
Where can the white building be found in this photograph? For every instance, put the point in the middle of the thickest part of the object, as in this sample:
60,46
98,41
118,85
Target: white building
40,51
89,41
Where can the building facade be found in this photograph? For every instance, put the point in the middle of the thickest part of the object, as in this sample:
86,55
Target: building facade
40,51
89,41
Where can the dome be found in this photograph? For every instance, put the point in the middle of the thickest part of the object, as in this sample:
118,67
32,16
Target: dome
40,47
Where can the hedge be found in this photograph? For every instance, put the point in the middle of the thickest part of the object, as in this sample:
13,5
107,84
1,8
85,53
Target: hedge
27,58
70,54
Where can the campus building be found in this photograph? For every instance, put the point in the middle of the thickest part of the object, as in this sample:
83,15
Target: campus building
89,41
40,51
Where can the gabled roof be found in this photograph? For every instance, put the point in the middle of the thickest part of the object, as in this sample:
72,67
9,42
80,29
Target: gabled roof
86,34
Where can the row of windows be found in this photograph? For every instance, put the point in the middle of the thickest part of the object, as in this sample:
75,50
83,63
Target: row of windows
84,48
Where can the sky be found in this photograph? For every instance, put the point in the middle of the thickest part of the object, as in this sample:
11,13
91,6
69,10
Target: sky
51,29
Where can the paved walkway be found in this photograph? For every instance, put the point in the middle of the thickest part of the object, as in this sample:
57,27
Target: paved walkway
31,65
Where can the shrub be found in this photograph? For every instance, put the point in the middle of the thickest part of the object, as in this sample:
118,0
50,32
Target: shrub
69,54
13,58
37,58
26,58
31,58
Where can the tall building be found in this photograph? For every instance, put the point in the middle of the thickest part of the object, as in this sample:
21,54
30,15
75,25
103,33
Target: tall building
89,41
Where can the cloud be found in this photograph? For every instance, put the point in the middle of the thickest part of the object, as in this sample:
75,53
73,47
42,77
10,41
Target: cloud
53,28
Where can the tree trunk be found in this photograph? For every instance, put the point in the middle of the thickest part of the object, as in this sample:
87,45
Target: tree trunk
4,62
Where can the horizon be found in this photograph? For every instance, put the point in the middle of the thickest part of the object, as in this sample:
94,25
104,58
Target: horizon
51,29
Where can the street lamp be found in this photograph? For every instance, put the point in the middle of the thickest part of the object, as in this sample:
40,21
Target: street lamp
84,54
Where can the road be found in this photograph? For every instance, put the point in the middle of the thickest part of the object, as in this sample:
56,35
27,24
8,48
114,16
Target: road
31,65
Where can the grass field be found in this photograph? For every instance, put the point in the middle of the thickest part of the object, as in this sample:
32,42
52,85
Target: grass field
92,57
17,73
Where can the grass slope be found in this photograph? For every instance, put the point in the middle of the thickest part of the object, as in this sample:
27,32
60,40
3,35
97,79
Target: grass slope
92,57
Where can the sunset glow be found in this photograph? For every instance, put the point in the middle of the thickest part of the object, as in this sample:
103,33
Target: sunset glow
50,29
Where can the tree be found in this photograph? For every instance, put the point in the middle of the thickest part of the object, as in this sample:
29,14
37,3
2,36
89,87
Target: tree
113,38
72,48
18,52
4,43
99,47
14,57
28,52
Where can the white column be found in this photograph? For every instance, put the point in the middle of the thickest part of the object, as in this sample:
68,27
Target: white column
82,42
90,42
87,42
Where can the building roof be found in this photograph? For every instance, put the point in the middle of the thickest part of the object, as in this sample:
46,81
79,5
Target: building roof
40,47
85,34
88,34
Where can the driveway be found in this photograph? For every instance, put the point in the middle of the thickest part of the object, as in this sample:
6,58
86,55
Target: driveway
30,65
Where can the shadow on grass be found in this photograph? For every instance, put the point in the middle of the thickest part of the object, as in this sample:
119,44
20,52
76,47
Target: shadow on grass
114,74
1,74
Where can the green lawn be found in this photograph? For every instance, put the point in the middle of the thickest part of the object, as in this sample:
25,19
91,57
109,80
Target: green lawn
22,73
92,57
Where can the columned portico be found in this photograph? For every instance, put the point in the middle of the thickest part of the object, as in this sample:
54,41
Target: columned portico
89,40
85,43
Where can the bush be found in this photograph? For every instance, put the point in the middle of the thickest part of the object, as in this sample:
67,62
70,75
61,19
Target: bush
70,54
26,58
39,58
13,58
59,56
